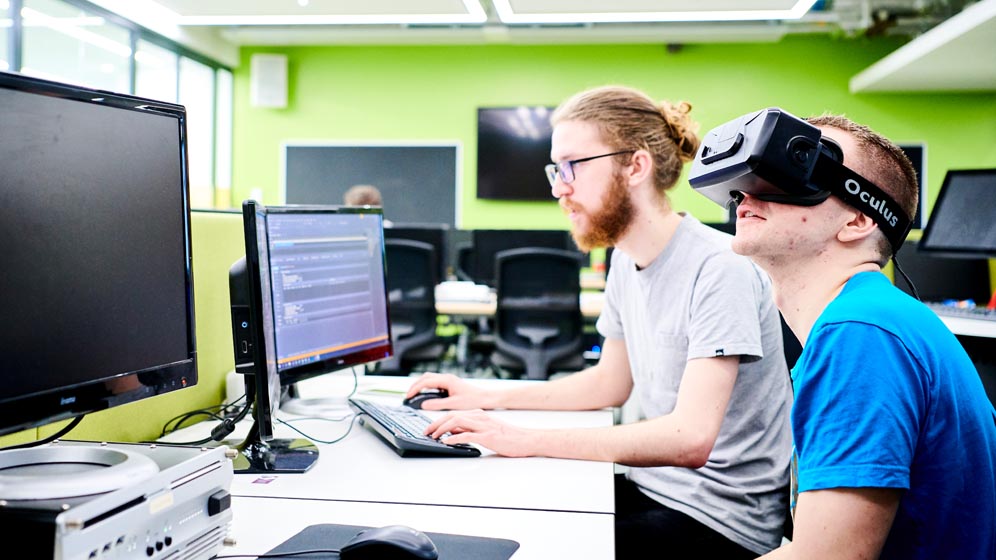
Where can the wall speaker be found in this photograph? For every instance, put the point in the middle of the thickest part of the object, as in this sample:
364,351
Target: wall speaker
268,81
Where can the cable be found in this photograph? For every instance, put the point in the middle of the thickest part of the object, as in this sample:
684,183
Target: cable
187,416
899,269
221,431
352,422
181,418
76,421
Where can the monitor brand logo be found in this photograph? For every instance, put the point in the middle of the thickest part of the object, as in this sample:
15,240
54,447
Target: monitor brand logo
67,400
879,204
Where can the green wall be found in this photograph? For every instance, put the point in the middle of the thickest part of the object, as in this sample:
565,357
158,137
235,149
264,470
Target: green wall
433,92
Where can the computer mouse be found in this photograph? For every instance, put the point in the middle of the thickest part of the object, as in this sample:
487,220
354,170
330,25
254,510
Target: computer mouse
426,394
393,542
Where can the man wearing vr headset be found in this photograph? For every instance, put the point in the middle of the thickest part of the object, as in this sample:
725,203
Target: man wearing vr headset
691,331
894,436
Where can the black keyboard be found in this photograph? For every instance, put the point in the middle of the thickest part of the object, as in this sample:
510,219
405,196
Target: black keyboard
403,429
980,313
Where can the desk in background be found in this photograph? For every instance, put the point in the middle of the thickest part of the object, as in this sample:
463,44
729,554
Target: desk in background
477,301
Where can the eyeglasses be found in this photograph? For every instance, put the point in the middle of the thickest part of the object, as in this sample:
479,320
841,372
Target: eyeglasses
565,169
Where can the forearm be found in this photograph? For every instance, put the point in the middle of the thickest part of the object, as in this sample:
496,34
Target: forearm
589,389
652,443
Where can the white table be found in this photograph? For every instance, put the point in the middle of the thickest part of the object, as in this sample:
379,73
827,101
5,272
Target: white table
970,327
260,524
363,468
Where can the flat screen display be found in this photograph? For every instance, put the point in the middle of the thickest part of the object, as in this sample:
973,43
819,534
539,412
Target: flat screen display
963,221
96,289
513,146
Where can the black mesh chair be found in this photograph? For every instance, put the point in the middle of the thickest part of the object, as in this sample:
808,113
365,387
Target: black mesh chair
463,270
538,322
412,275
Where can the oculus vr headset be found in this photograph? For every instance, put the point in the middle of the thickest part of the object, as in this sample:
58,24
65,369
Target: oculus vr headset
778,157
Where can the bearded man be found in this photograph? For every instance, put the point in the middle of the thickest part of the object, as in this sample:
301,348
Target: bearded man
691,331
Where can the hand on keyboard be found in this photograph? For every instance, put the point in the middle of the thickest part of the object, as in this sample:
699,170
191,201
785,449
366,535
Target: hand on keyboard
403,428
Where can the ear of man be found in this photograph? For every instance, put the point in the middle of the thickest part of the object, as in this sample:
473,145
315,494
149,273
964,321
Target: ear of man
857,227
640,168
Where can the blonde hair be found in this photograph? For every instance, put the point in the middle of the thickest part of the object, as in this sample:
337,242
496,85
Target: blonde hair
630,120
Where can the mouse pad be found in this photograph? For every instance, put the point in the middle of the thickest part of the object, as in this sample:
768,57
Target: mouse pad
450,547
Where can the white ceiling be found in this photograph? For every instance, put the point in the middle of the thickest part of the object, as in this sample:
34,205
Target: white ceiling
959,60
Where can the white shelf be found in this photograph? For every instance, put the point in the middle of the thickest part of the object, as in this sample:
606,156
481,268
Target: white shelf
956,55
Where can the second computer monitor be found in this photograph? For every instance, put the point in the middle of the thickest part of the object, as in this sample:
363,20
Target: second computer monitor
314,292
328,289
963,221
489,242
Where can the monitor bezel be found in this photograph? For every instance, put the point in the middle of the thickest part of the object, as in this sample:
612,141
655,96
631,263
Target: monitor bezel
28,411
924,243
332,364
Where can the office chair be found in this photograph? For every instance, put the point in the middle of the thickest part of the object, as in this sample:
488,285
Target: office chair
538,322
464,262
411,288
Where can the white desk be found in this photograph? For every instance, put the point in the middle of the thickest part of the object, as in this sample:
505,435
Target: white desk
970,327
591,306
260,524
362,467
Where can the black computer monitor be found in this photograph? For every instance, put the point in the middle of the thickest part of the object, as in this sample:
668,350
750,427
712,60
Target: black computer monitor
963,221
433,234
309,298
938,277
489,242
513,145
96,288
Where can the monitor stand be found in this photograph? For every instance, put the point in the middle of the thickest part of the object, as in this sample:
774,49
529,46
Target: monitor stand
60,472
256,456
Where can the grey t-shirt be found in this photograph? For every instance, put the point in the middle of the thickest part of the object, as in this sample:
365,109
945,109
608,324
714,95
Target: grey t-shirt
699,299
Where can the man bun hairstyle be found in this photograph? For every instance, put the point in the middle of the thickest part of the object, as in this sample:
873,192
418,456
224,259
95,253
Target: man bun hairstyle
630,120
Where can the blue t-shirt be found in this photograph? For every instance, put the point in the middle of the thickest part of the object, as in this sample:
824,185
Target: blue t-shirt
886,397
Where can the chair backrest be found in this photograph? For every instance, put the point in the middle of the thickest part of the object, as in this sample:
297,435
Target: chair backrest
412,275
464,262
434,234
539,291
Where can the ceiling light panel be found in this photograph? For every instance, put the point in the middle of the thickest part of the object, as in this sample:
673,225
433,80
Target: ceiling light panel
630,11
324,12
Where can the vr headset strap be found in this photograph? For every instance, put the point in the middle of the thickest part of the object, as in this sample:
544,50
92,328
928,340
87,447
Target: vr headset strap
863,195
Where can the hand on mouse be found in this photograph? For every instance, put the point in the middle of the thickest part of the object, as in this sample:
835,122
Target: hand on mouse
462,395
477,426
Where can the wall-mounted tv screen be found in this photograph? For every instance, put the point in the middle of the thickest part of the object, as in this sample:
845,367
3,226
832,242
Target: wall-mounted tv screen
513,145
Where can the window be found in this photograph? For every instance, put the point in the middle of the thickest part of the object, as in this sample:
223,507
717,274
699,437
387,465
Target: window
80,43
5,23
223,140
197,95
155,72
65,43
